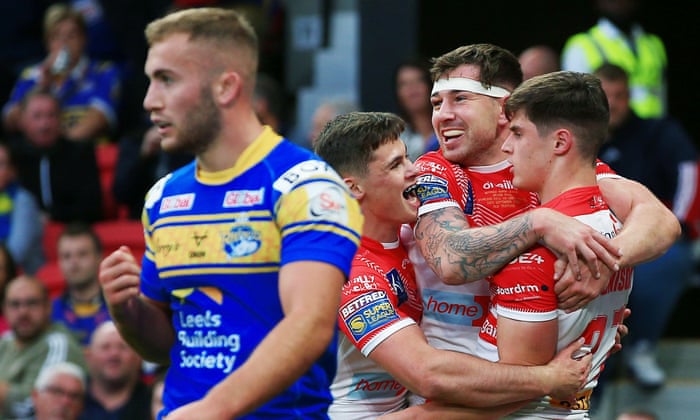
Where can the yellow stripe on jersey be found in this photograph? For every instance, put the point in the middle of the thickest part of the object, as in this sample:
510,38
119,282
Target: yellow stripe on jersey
245,242
191,271
250,157
214,218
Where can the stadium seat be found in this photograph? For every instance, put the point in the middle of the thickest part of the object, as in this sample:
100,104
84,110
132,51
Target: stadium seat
106,155
115,233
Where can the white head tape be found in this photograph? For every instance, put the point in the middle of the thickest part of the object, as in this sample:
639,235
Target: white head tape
469,85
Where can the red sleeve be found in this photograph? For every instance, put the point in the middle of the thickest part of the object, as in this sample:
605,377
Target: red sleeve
527,283
441,181
368,306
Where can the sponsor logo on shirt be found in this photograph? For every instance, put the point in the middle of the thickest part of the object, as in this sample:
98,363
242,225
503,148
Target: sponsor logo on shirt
519,289
301,172
328,204
489,331
367,313
455,308
506,184
241,198
178,202
430,188
360,283
369,386
428,166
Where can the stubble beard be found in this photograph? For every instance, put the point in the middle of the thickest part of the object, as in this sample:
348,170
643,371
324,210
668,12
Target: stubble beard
201,126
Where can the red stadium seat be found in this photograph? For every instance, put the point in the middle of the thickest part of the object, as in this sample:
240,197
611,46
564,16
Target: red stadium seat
52,230
106,155
50,275
115,233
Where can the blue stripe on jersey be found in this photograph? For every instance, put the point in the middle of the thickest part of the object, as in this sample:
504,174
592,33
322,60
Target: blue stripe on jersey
215,245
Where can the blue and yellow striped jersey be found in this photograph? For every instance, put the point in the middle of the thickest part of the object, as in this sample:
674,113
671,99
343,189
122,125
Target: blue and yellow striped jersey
215,243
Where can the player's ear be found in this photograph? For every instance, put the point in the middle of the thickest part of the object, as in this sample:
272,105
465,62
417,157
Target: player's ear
355,187
563,141
228,87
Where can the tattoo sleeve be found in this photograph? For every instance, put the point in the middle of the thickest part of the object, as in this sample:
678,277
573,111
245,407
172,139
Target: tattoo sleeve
459,254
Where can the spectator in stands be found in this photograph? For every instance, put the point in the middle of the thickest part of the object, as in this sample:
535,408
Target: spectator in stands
8,271
327,110
82,307
35,343
62,175
660,154
20,40
140,163
413,86
537,60
268,102
21,229
126,49
58,392
115,390
619,38
88,90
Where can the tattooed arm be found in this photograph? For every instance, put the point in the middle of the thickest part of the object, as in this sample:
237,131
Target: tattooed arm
459,254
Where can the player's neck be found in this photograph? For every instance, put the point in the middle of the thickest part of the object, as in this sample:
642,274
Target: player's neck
236,134
564,177
380,231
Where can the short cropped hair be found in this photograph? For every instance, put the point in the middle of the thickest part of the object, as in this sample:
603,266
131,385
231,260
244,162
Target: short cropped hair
348,141
576,100
47,374
225,29
74,229
58,13
497,66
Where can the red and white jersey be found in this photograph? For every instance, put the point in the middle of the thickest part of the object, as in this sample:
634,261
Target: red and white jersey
524,291
453,315
379,299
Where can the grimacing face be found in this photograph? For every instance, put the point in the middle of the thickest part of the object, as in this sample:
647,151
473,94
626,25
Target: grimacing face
389,174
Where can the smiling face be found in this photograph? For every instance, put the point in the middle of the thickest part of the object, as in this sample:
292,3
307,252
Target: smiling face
468,124
389,175
179,97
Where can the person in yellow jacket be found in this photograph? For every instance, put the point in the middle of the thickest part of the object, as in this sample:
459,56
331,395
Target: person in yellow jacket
619,39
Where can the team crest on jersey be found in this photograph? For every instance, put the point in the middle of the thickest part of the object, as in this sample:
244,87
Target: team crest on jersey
178,202
241,241
397,284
